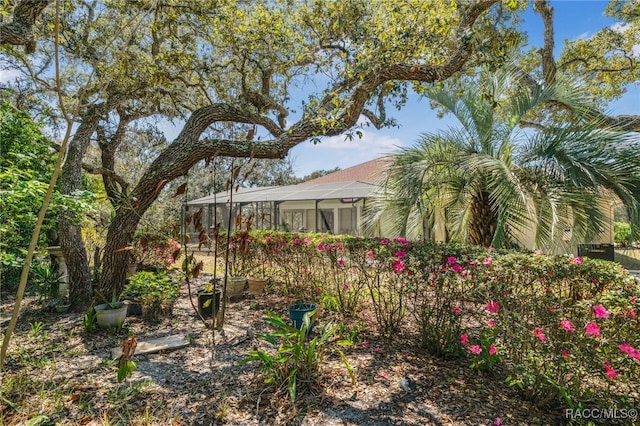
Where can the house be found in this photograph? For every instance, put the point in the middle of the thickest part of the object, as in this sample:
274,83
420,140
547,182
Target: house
335,203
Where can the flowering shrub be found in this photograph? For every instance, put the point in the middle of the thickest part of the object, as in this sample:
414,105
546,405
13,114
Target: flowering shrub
155,251
564,329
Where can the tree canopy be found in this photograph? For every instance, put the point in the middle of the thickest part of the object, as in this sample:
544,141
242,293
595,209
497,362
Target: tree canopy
275,72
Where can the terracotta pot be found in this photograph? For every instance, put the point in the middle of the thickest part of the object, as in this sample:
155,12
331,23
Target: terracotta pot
235,286
256,285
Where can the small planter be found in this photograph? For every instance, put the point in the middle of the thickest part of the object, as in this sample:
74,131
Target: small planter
63,308
297,312
256,286
134,307
203,298
132,269
235,287
111,318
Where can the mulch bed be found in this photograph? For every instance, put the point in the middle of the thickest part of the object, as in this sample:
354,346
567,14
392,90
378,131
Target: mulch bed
202,384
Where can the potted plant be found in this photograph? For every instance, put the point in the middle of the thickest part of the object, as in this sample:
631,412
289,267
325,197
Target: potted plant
297,312
206,298
256,285
155,293
111,314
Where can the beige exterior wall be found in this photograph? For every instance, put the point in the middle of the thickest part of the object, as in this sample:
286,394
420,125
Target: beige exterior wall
525,237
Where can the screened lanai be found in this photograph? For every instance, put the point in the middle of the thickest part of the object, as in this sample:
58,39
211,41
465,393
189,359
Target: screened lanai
334,207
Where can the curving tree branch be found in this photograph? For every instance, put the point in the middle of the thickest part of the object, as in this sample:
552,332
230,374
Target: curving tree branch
19,32
625,123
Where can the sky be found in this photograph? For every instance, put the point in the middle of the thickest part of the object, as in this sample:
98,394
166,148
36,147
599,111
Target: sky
573,20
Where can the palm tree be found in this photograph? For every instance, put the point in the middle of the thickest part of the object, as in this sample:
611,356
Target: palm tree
492,181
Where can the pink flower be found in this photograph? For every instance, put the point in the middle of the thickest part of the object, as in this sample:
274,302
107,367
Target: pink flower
346,286
632,299
296,241
320,246
457,268
475,349
451,260
384,242
267,239
611,373
567,325
340,262
369,254
382,374
601,311
538,252
492,306
307,240
577,260
365,344
565,354
328,247
593,329
456,310
492,350
629,350
398,265
491,323
377,349
487,261
464,339
318,290
539,333
400,254
631,313
497,422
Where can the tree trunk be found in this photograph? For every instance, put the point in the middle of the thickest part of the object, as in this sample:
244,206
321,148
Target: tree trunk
483,222
116,256
79,273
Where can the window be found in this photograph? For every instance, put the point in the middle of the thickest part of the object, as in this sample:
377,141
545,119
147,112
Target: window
325,221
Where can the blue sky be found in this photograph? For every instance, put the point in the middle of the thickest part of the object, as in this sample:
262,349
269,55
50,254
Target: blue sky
573,20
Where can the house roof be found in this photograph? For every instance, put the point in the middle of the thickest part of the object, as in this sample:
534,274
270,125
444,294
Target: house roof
370,171
301,192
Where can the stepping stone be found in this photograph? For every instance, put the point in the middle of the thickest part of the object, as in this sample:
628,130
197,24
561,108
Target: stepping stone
156,345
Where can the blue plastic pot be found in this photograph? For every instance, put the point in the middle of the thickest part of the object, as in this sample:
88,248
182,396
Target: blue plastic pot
297,312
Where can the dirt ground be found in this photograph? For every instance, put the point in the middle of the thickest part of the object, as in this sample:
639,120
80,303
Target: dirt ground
62,373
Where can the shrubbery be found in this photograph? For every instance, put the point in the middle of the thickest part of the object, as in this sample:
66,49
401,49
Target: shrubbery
563,329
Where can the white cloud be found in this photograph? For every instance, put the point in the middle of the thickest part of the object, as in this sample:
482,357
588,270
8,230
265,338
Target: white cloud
620,27
8,75
335,151
371,144
584,36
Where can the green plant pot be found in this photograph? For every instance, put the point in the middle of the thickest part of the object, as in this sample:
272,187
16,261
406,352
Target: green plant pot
111,318
297,312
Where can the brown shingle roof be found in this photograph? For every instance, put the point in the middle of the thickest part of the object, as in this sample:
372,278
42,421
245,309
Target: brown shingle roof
370,171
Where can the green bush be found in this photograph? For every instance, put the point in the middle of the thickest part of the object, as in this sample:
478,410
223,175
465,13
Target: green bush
295,365
621,232
156,292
